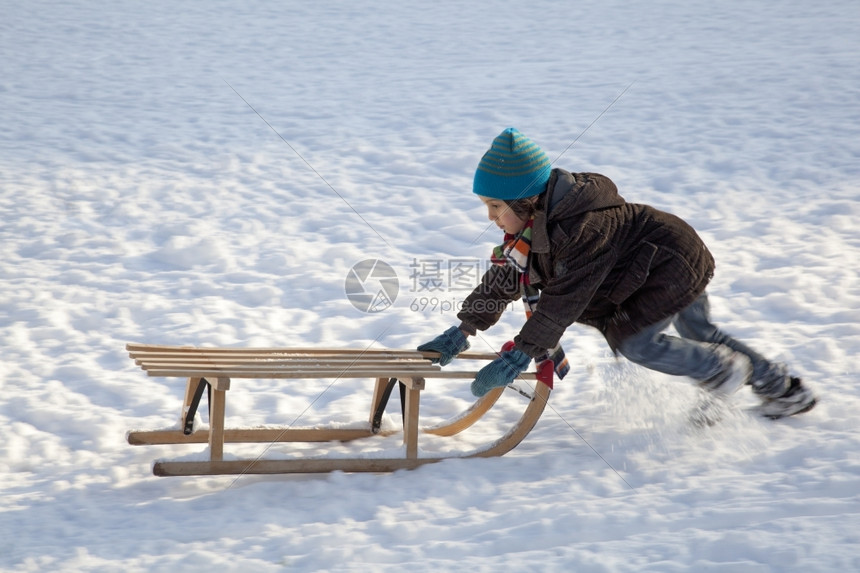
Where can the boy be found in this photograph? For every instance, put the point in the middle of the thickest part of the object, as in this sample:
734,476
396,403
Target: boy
576,251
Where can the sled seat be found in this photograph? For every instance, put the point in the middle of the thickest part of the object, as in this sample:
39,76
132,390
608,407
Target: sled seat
213,370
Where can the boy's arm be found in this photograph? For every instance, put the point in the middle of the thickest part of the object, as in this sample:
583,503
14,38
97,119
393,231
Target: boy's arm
562,302
482,308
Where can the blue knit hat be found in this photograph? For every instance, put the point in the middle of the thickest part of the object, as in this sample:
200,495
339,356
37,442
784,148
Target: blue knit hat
513,168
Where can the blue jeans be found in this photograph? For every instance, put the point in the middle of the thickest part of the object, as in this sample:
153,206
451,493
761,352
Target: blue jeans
692,353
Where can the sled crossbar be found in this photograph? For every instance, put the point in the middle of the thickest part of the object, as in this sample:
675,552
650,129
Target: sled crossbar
212,370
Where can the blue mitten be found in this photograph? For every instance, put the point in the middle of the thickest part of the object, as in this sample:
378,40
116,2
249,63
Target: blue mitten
448,344
500,372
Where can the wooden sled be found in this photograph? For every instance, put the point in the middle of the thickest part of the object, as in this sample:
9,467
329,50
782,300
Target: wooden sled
214,369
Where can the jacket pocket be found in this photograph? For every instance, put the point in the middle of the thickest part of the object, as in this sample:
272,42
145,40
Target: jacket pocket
634,275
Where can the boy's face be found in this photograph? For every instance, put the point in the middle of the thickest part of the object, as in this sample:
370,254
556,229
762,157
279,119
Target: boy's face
499,213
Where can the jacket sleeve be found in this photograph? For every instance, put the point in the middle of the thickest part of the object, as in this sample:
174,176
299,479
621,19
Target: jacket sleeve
499,286
564,298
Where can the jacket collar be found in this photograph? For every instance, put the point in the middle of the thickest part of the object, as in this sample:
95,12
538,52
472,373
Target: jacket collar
548,200
540,240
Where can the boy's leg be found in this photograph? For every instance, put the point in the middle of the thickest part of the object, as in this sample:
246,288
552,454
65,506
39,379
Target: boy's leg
654,349
694,322
716,367
702,346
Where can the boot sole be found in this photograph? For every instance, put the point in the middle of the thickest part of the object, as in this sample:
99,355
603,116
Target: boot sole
806,408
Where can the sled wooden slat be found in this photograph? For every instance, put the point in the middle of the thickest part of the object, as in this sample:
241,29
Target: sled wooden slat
314,465
396,370
217,368
253,435
393,372
226,362
155,350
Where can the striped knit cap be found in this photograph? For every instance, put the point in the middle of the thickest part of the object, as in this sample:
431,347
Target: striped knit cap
513,168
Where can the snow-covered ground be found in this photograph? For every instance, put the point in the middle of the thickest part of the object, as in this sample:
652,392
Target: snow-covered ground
143,200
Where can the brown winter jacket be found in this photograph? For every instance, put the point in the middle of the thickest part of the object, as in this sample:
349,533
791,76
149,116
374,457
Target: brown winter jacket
597,260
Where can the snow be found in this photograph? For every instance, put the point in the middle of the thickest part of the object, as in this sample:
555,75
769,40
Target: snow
143,200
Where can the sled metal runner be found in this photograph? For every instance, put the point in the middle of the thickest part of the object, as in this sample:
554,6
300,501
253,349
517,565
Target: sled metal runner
215,369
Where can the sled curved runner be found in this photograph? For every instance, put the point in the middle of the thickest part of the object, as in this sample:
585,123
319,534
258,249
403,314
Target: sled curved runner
213,369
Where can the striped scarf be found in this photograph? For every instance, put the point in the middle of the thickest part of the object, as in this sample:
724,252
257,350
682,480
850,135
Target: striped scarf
515,251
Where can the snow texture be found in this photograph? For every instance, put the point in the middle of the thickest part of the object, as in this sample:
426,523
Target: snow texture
143,200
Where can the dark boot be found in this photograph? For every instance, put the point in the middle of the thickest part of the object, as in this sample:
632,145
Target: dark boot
795,400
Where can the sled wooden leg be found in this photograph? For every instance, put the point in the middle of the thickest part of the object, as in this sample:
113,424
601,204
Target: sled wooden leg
378,391
498,448
468,417
190,388
216,422
410,416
